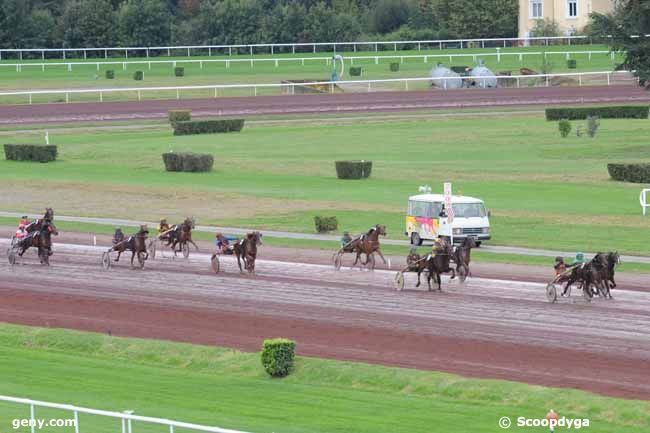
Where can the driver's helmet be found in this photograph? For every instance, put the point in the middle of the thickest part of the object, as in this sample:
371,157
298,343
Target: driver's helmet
163,221
218,235
580,256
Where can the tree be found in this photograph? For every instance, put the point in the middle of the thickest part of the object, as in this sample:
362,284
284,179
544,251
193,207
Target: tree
545,27
631,18
144,23
478,18
388,15
13,20
88,23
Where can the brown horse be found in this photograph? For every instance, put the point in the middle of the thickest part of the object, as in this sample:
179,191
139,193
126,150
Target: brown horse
462,254
136,244
438,263
41,239
368,244
246,250
36,225
182,235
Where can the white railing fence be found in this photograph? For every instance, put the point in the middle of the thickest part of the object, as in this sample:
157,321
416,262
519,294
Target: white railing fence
327,60
126,417
251,49
578,78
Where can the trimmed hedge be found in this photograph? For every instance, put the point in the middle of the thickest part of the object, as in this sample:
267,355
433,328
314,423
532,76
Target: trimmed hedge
355,71
208,126
326,224
613,112
571,63
394,67
353,169
138,75
180,116
30,152
110,74
190,162
179,71
636,173
277,356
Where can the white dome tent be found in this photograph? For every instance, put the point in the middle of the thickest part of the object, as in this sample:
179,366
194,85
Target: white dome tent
482,77
445,78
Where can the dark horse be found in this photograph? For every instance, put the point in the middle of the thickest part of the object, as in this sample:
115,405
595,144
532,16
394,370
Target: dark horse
368,244
182,235
438,263
41,239
246,250
136,244
587,274
462,254
606,272
36,225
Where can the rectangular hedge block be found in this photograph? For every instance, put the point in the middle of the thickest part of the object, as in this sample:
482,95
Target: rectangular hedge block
613,112
208,126
635,173
190,162
30,152
180,116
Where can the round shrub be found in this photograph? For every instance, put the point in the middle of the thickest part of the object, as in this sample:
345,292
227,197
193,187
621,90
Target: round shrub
138,75
571,63
326,224
110,74
355,71
353,169
394,67
179,71
565,127
277,356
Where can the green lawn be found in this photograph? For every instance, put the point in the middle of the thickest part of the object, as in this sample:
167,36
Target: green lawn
91,76
543,191
223,387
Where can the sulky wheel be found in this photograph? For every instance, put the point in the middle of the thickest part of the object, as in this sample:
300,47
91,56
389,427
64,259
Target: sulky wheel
106,260
12,257
551,293
214,262
398,283
338,258
586,292
185,248
142,256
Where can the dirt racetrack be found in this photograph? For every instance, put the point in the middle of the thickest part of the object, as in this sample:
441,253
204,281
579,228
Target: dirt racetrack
324,103
483,328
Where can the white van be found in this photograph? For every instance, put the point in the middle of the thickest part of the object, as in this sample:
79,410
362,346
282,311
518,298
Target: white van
423,220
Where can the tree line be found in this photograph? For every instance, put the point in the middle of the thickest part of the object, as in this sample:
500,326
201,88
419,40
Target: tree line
105,23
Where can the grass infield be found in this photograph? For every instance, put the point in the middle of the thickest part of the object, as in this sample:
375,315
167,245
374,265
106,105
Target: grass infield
227,388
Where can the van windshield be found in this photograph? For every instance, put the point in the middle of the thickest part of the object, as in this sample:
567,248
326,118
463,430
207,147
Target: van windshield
469,210
424,209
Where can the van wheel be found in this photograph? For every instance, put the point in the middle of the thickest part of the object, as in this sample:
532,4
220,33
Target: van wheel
416,240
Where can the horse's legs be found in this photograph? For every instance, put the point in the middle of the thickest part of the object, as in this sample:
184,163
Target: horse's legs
119,253
192,242
429,276
381,255
419,272
238,261
439,280
132,256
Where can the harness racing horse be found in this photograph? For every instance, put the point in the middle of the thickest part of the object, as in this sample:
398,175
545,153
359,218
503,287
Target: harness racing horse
182,235
246,250
605,275
587,274
136,244
35,226
368,244
437,263
462,255
41,239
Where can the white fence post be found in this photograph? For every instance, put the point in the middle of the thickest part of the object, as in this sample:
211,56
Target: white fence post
643,201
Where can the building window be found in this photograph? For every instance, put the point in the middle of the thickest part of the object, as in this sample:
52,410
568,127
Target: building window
572,8
536,10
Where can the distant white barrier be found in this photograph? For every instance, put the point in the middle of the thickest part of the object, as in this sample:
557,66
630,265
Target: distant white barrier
126,417
302,60
643,199
334,46
330,85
